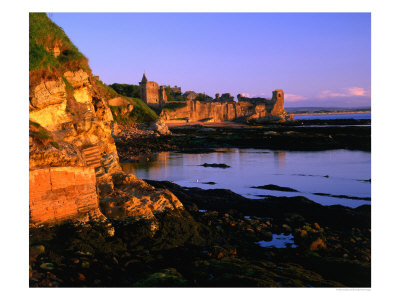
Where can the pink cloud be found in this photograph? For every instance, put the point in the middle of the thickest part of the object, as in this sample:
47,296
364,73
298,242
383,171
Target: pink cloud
357,91
294,98
346,92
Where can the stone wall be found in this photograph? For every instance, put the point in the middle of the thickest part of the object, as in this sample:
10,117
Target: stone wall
59,194
225,111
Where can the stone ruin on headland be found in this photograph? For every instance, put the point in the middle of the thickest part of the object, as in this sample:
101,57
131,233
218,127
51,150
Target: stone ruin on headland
221,108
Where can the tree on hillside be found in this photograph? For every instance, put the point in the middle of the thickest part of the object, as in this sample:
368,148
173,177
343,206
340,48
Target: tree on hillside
128,90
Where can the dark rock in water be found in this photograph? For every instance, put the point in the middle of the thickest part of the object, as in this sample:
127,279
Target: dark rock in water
322,194
343,196
366,180
274,187
223,166
210,182
276,207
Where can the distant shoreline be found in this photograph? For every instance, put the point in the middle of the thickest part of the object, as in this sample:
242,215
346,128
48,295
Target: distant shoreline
331,113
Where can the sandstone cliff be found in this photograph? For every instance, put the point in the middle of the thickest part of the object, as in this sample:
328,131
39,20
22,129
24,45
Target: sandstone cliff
71,150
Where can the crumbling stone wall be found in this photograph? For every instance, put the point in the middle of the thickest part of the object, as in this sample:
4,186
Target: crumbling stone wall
225,109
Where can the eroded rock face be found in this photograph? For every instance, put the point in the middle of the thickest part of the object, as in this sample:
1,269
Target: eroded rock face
77,79
68,119
49,156
49,93
124,195
74,118
63,193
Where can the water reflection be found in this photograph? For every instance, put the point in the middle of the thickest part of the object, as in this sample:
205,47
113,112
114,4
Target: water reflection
336,172
280,159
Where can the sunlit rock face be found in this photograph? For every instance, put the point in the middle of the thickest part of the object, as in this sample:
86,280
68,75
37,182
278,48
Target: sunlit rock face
71,149
66,117
124,195
63,193
72,114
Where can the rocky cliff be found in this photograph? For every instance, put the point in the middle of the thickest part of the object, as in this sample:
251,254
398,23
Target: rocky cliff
71,150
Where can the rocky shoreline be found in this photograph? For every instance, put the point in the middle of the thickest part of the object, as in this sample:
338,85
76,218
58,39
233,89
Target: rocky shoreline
215,241
217,238
304,135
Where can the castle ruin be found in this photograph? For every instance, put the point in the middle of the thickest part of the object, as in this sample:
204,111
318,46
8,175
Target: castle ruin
222,108
152,94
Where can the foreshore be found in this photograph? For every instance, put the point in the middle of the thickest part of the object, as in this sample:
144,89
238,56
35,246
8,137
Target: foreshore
300,135
220,239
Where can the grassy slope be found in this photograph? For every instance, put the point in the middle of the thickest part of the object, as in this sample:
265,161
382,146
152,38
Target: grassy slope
44,35
140,113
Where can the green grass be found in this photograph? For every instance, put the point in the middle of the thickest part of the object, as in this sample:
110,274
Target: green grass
37,125
41,134
128,90
55,144
140,113
43,33
105,90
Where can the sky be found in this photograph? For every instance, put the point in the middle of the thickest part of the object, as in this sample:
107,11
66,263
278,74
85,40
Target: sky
318,59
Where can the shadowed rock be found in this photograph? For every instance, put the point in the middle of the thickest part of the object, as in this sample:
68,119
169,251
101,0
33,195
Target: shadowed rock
223,166
274,187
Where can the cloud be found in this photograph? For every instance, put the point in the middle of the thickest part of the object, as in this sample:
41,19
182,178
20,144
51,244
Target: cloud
247,95
294,98
345,92
357,91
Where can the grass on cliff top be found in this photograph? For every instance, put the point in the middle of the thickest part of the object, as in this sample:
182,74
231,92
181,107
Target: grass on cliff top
105,91
141,113
44,35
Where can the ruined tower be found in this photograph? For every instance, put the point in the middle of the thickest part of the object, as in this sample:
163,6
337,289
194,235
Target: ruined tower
151,93
278,98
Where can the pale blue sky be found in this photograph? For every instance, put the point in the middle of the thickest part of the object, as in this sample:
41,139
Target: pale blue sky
318,59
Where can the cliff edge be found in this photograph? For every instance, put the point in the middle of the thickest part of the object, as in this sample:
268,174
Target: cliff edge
72,153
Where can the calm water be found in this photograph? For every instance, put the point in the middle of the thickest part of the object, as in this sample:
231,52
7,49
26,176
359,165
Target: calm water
334,116
336,172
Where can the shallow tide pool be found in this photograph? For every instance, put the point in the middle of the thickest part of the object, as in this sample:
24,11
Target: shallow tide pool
278,241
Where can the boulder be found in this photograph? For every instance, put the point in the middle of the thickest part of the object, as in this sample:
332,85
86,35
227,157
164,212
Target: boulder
132,197
160,127
118,101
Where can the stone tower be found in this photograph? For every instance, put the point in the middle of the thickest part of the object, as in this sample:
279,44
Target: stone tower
151,93
278,97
